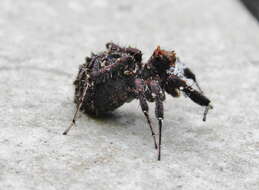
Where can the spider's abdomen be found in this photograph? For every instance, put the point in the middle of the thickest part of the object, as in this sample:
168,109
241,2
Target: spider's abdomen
111,95
111,75
105,97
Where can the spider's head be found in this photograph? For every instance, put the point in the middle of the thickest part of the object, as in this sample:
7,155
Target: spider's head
162,59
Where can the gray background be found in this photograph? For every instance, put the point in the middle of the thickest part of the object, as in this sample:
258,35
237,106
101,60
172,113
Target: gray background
43,42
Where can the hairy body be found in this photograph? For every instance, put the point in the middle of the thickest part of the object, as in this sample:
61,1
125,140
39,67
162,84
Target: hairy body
109,79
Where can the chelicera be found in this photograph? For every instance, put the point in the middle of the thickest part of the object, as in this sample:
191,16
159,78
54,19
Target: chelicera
109,79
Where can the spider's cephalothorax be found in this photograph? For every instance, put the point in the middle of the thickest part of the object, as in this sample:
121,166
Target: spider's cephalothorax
109,79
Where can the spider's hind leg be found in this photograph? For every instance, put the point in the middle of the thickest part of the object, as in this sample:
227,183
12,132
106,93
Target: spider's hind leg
79,104
137,54
82,84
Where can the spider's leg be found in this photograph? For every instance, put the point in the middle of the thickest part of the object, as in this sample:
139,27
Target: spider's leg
80,84
159,109
92,63
175,82
79,104
187,72
198,98
132,51
112,46
190,75
140,94
109,71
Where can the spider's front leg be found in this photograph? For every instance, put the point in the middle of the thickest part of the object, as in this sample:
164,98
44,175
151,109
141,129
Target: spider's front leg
190,75
198,98
159,97
187,72
139,92
175,82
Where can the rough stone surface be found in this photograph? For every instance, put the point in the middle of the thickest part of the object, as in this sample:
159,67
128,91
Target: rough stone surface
43,42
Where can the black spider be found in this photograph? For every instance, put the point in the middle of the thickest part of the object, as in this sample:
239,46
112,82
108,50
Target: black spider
109,79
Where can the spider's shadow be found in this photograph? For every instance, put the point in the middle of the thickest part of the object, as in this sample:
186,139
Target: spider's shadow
115,118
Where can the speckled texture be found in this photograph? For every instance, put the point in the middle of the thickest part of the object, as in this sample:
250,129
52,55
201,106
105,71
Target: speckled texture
43,42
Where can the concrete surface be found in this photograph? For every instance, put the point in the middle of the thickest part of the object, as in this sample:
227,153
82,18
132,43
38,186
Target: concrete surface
43,42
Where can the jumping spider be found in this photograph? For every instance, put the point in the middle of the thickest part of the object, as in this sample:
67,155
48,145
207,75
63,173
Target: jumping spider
109,79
